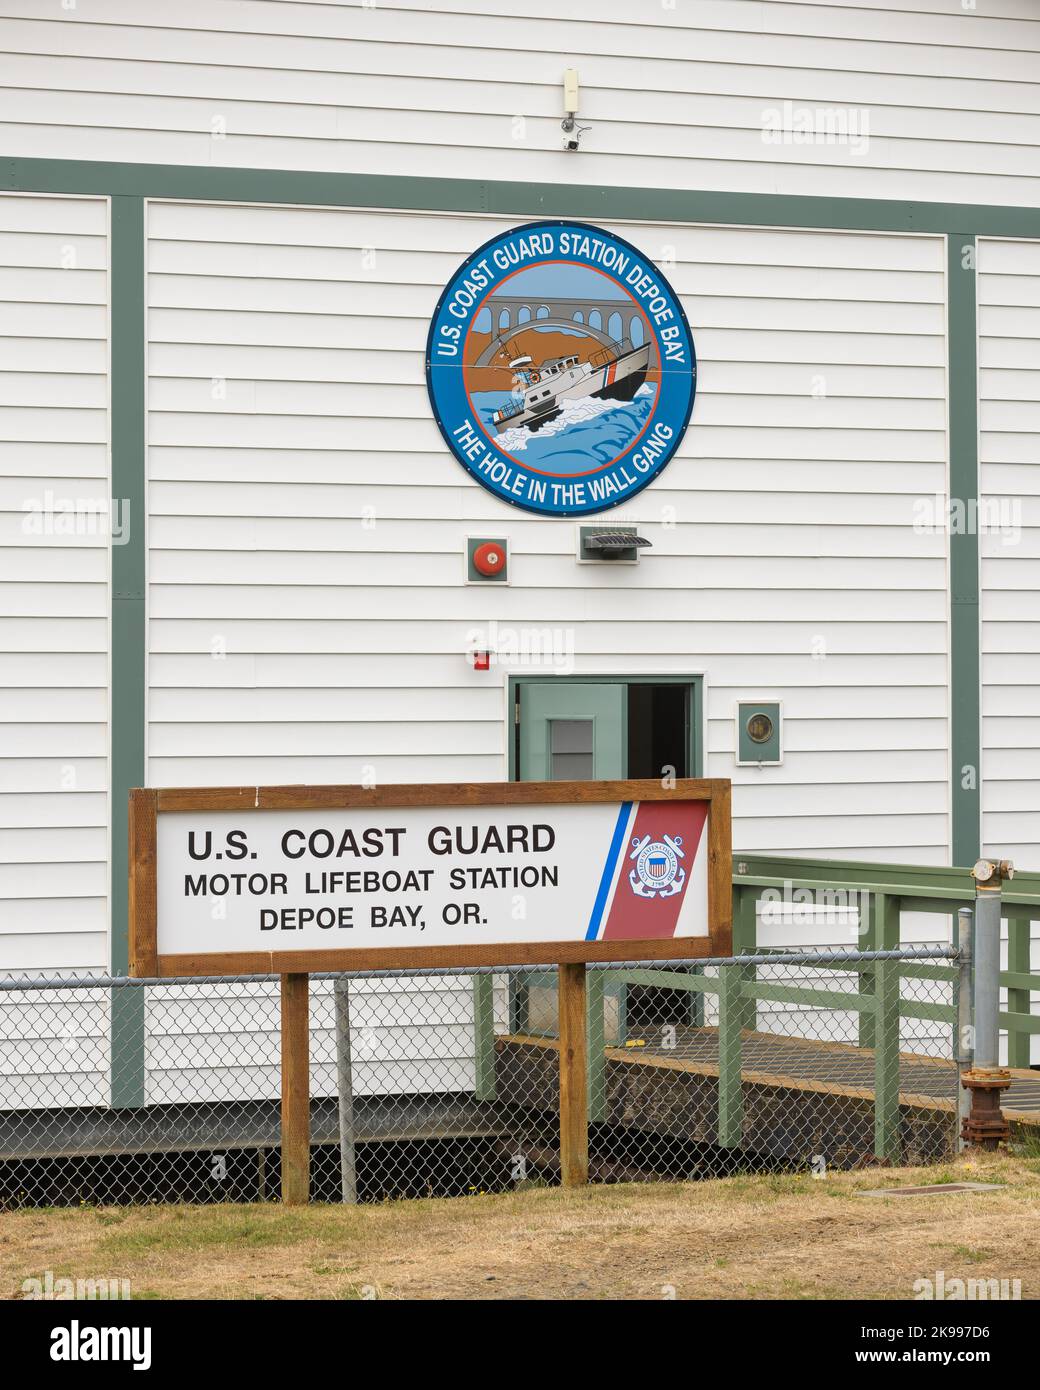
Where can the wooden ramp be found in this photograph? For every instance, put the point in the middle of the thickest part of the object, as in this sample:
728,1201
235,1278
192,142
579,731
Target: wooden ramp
800,1097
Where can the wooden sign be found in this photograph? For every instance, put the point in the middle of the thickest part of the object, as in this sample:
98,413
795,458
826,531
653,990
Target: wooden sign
262,880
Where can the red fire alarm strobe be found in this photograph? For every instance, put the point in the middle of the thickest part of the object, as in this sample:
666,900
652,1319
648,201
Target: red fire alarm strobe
482,661
489,559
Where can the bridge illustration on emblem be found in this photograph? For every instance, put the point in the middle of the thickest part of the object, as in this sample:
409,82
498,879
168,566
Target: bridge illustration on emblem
561,368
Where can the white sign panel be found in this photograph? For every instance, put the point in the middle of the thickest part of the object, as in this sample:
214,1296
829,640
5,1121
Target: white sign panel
285,880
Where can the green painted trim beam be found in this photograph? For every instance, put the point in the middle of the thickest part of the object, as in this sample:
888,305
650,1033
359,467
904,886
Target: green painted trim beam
932,1013
1018,907
942,907
128,620
1020,1023
509,197
1025,883
1020,980
818,998
965,636
920,893
931,889
861,873
948,974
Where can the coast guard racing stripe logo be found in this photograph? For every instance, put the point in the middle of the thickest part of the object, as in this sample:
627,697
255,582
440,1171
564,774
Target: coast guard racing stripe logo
657,850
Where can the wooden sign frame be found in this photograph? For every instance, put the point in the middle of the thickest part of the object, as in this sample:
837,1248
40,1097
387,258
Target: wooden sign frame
147,804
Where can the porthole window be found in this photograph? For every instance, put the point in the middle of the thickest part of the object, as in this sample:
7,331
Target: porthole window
759,728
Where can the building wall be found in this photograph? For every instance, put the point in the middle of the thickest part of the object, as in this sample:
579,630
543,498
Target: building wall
222,1042
1009,461
54,586
676,95
307,619
308,616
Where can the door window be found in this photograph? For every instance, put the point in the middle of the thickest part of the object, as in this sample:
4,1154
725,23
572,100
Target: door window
570,750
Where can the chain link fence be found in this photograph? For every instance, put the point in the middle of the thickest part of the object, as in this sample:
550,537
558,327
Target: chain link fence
441,1083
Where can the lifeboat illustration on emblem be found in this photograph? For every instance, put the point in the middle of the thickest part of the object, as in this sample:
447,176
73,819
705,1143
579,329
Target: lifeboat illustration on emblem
610,373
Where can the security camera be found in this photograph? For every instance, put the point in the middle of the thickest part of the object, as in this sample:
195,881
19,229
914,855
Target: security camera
572,131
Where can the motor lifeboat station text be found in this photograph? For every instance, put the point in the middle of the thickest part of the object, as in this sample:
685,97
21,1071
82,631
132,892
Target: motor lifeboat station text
362,870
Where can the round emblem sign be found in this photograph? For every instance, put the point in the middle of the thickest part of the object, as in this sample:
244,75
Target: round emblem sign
561,368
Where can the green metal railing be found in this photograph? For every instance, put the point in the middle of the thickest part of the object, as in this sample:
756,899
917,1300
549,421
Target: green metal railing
887,891
878,895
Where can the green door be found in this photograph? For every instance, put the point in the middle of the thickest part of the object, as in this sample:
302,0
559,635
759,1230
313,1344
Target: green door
571,732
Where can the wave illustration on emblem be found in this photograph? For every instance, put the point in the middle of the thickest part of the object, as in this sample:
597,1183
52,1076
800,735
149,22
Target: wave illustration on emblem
584,429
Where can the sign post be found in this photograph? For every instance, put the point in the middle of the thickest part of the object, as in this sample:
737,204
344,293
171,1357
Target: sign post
296,1090
574,1070
291,880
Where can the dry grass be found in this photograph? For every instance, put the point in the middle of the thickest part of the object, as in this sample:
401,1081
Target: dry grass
760,1237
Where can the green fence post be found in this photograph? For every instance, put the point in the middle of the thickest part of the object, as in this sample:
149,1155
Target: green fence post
886,1031
736,1012
1018,1041
484,1036
869,935
731,1010
595,995
886,1061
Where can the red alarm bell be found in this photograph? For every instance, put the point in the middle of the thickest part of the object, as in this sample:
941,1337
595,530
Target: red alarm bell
489,559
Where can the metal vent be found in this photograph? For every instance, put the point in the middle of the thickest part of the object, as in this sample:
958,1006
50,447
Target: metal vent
610,543
614,540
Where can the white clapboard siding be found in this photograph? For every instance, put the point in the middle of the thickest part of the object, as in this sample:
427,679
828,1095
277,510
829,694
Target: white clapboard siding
54,604
309,618
54,1045
221,1043
940,99
1009,542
